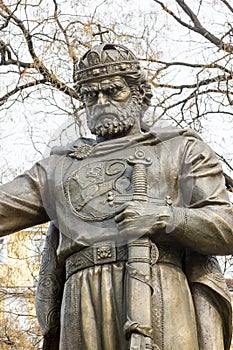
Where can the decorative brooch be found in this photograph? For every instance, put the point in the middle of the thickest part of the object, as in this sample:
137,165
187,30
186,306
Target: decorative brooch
82,151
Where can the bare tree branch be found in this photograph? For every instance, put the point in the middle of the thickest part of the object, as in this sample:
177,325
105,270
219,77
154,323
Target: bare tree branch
204,82
197,26
56,17
228,5
189,97
4,98
212,65
48,76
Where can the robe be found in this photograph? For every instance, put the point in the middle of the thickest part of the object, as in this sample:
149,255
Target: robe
190,304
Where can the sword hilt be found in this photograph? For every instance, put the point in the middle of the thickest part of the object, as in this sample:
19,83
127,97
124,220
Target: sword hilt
139,178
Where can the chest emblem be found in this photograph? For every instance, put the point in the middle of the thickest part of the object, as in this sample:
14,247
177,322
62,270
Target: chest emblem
91,188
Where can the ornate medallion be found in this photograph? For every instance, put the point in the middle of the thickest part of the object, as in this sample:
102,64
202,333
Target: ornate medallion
82,151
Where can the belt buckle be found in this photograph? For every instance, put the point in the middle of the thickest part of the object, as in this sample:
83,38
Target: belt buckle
104,253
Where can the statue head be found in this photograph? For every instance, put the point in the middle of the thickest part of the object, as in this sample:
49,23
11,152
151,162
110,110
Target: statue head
113,89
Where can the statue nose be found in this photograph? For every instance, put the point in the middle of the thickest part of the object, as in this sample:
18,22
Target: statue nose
102,98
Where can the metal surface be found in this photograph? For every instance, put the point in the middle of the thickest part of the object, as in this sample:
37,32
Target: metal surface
139,266
159,191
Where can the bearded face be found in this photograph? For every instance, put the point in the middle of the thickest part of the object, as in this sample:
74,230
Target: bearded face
111,110
113,120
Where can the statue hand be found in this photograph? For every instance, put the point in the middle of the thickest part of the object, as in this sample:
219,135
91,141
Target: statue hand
138,219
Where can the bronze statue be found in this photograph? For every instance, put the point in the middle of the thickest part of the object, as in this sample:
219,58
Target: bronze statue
137,216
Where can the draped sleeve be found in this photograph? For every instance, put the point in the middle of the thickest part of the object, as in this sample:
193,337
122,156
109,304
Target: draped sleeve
21,203
205,221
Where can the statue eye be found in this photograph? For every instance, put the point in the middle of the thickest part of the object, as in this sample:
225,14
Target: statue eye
112,90
91,94
89,97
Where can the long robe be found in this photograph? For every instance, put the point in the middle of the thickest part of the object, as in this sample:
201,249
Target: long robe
190,303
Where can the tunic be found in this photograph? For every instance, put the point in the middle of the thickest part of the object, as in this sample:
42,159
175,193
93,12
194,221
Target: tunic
73,189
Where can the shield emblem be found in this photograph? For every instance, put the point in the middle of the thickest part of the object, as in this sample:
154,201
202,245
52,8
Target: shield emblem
97,188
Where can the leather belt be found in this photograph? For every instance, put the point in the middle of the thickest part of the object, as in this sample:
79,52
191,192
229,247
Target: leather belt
102,253
107,252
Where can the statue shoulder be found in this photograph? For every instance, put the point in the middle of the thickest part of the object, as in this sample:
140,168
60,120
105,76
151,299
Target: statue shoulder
69,148
170,132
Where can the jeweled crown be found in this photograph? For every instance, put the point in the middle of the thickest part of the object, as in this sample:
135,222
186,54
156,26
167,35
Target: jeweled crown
105,60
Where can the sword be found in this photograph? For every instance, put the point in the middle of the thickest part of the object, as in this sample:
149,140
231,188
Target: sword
138,327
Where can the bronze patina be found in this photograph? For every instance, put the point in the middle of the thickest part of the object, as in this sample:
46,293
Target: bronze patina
137,217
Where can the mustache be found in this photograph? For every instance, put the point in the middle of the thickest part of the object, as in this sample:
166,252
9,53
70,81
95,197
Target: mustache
106,109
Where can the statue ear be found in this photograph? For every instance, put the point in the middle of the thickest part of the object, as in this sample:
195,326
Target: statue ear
145,95
142,93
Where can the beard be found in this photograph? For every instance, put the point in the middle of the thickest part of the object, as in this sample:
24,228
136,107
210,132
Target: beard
110,121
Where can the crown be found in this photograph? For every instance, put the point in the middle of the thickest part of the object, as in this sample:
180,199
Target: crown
105,60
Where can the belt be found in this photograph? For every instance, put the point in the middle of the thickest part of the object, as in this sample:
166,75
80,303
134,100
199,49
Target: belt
98,254
107,252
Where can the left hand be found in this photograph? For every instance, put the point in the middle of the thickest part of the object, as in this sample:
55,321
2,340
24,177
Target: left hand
138,219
